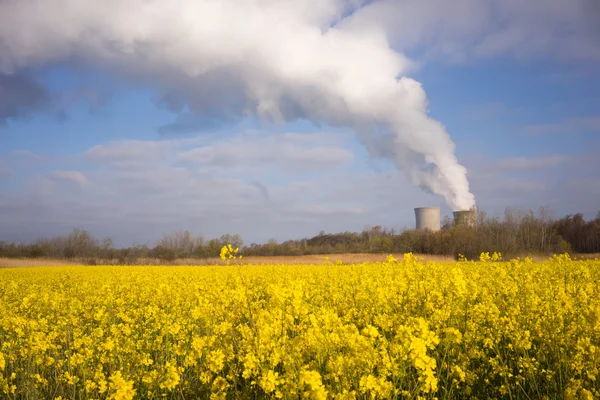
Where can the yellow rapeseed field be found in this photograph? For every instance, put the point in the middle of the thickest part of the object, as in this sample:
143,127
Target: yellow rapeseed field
396,329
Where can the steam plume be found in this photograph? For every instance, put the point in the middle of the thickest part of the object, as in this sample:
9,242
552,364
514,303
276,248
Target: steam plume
280,59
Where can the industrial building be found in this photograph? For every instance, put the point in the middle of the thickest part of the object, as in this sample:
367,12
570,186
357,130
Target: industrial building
428,218
465,218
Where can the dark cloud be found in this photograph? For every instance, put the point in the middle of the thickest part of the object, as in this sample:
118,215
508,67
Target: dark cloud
218,97
187,123
20,96
96,98
591,13
261,188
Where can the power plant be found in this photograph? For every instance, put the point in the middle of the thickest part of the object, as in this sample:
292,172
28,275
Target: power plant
428,218
465,218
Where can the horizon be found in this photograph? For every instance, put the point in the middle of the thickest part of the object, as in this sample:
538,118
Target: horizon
131,126
549,213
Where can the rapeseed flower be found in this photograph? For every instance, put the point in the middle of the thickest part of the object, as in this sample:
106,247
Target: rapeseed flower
388,329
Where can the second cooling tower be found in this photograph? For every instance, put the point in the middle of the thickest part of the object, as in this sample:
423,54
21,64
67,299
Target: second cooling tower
465,218
428,218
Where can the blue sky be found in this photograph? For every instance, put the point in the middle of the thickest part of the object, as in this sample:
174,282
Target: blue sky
137,155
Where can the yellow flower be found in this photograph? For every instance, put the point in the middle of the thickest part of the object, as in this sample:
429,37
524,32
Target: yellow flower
314,387
391,259
371,330
228,253
171,379
121,389
269,381
216,360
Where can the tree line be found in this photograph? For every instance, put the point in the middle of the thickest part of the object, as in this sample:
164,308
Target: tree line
517,233
80,245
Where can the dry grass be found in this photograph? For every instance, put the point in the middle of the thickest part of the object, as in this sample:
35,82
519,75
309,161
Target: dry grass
32,262
348,258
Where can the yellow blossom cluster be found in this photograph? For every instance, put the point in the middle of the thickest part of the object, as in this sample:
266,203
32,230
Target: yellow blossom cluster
485,257
228,253
399,329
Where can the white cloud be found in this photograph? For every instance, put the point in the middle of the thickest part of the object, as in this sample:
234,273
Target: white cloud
260,200
157,194
465,30
530,182
128,153
282,60
28,154
224,60
74,177
286,60
305,151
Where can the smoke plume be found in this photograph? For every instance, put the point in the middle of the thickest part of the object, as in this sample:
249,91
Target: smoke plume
279,59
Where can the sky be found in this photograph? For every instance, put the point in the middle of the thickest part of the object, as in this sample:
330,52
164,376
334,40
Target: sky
278,119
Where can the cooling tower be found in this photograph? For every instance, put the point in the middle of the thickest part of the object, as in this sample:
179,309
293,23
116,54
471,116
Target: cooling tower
428,218
465,218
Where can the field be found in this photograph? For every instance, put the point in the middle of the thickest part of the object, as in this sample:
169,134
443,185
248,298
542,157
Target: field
520,329
348,258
